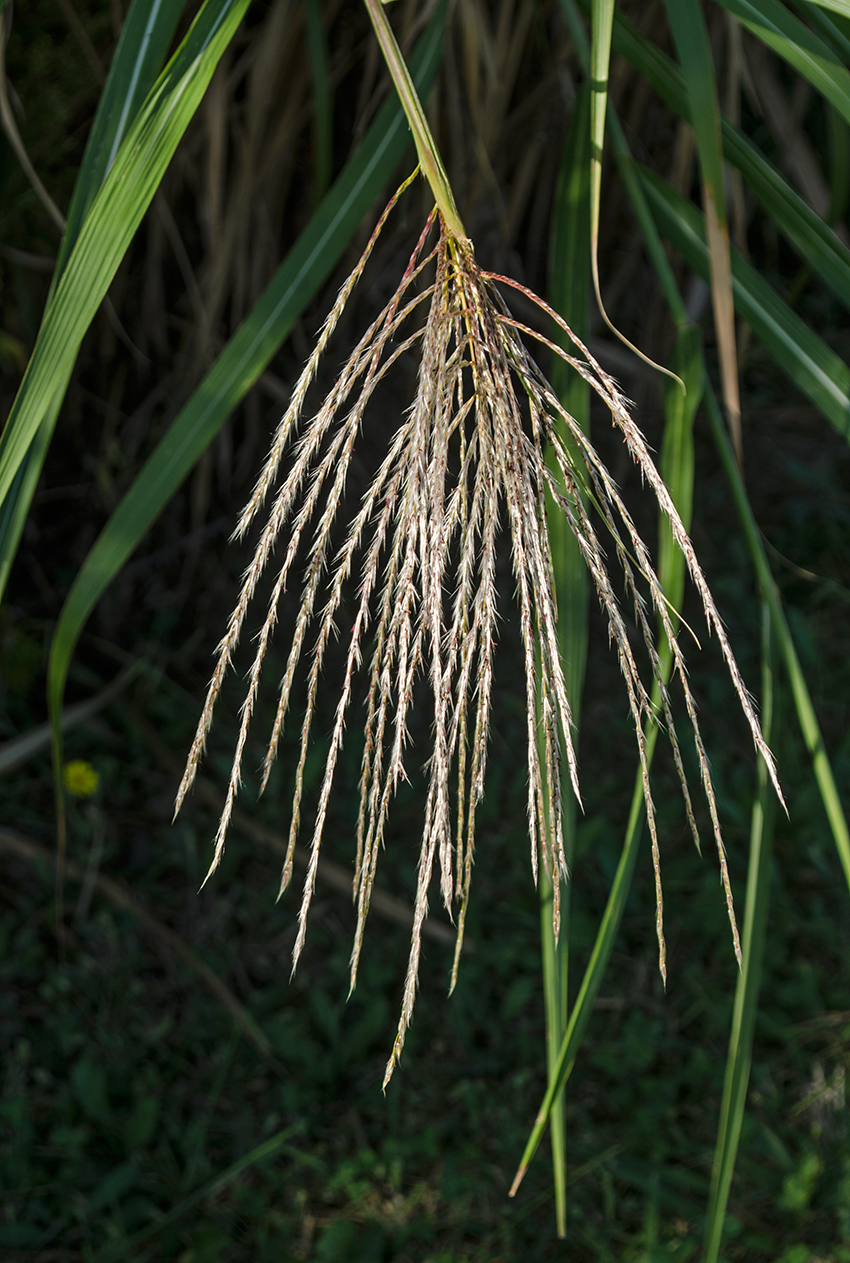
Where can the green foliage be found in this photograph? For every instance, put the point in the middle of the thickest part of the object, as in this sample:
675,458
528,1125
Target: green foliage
109,227
738,1062
139,54
822,377
806,358
570,289
771,22
238,366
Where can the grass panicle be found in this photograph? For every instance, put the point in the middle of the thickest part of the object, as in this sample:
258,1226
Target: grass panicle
468,454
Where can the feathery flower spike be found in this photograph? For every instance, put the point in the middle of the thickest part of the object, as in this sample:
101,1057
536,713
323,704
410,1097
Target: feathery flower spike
469,456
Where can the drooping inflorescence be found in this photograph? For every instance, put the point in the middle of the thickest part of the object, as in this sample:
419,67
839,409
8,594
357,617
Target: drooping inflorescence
470,453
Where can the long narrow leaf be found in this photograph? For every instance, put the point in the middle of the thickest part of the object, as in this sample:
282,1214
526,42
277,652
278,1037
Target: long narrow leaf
680,410
593,974
772,23
304,270
835,6
600,59
807,232
806,716
430,161
112,222
625,166
690,36
14,509
677,457
570,291
145,36
826,27
738,1062
799,352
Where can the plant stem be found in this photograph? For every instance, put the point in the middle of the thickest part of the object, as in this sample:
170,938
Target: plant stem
430,161
739,1058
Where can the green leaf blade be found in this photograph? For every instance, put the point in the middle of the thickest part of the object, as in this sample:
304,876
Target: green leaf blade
304,269
835,6
800,353
806,716
112,221
792,40
602,24
690,35
146,34
570,281
688,363
738,1061
816,243
142,45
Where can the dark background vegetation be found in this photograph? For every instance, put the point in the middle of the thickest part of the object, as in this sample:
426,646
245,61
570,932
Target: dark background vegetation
125,1086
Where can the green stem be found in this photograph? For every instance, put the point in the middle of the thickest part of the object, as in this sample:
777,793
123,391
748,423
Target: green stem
555,962
593,975
749,980
677,471
570,295
430,161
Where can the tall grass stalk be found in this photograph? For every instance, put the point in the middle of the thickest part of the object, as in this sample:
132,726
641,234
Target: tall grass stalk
596,63
677,464
690,35
737,1077
570,290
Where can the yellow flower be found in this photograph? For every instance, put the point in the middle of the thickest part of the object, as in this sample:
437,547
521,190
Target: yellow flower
80,778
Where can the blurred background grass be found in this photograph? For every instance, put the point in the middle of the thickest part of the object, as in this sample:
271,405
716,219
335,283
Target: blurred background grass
130,1096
